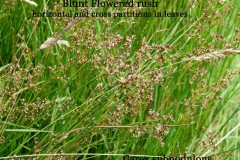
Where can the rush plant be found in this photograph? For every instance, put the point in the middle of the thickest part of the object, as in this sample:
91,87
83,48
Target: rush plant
104,87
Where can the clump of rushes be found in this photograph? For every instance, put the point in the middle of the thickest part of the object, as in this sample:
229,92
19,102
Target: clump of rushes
168,86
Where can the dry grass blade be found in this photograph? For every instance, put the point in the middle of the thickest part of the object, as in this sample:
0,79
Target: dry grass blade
49,42
26,88
125,126
4,67
215,54
19,92
31,3
53,41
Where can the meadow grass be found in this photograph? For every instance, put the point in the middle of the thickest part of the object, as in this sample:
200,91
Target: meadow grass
137,86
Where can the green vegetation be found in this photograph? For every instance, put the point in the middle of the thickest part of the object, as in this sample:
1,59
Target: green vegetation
146,86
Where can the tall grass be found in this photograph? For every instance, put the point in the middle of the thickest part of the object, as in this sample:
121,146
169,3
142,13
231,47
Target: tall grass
137,86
